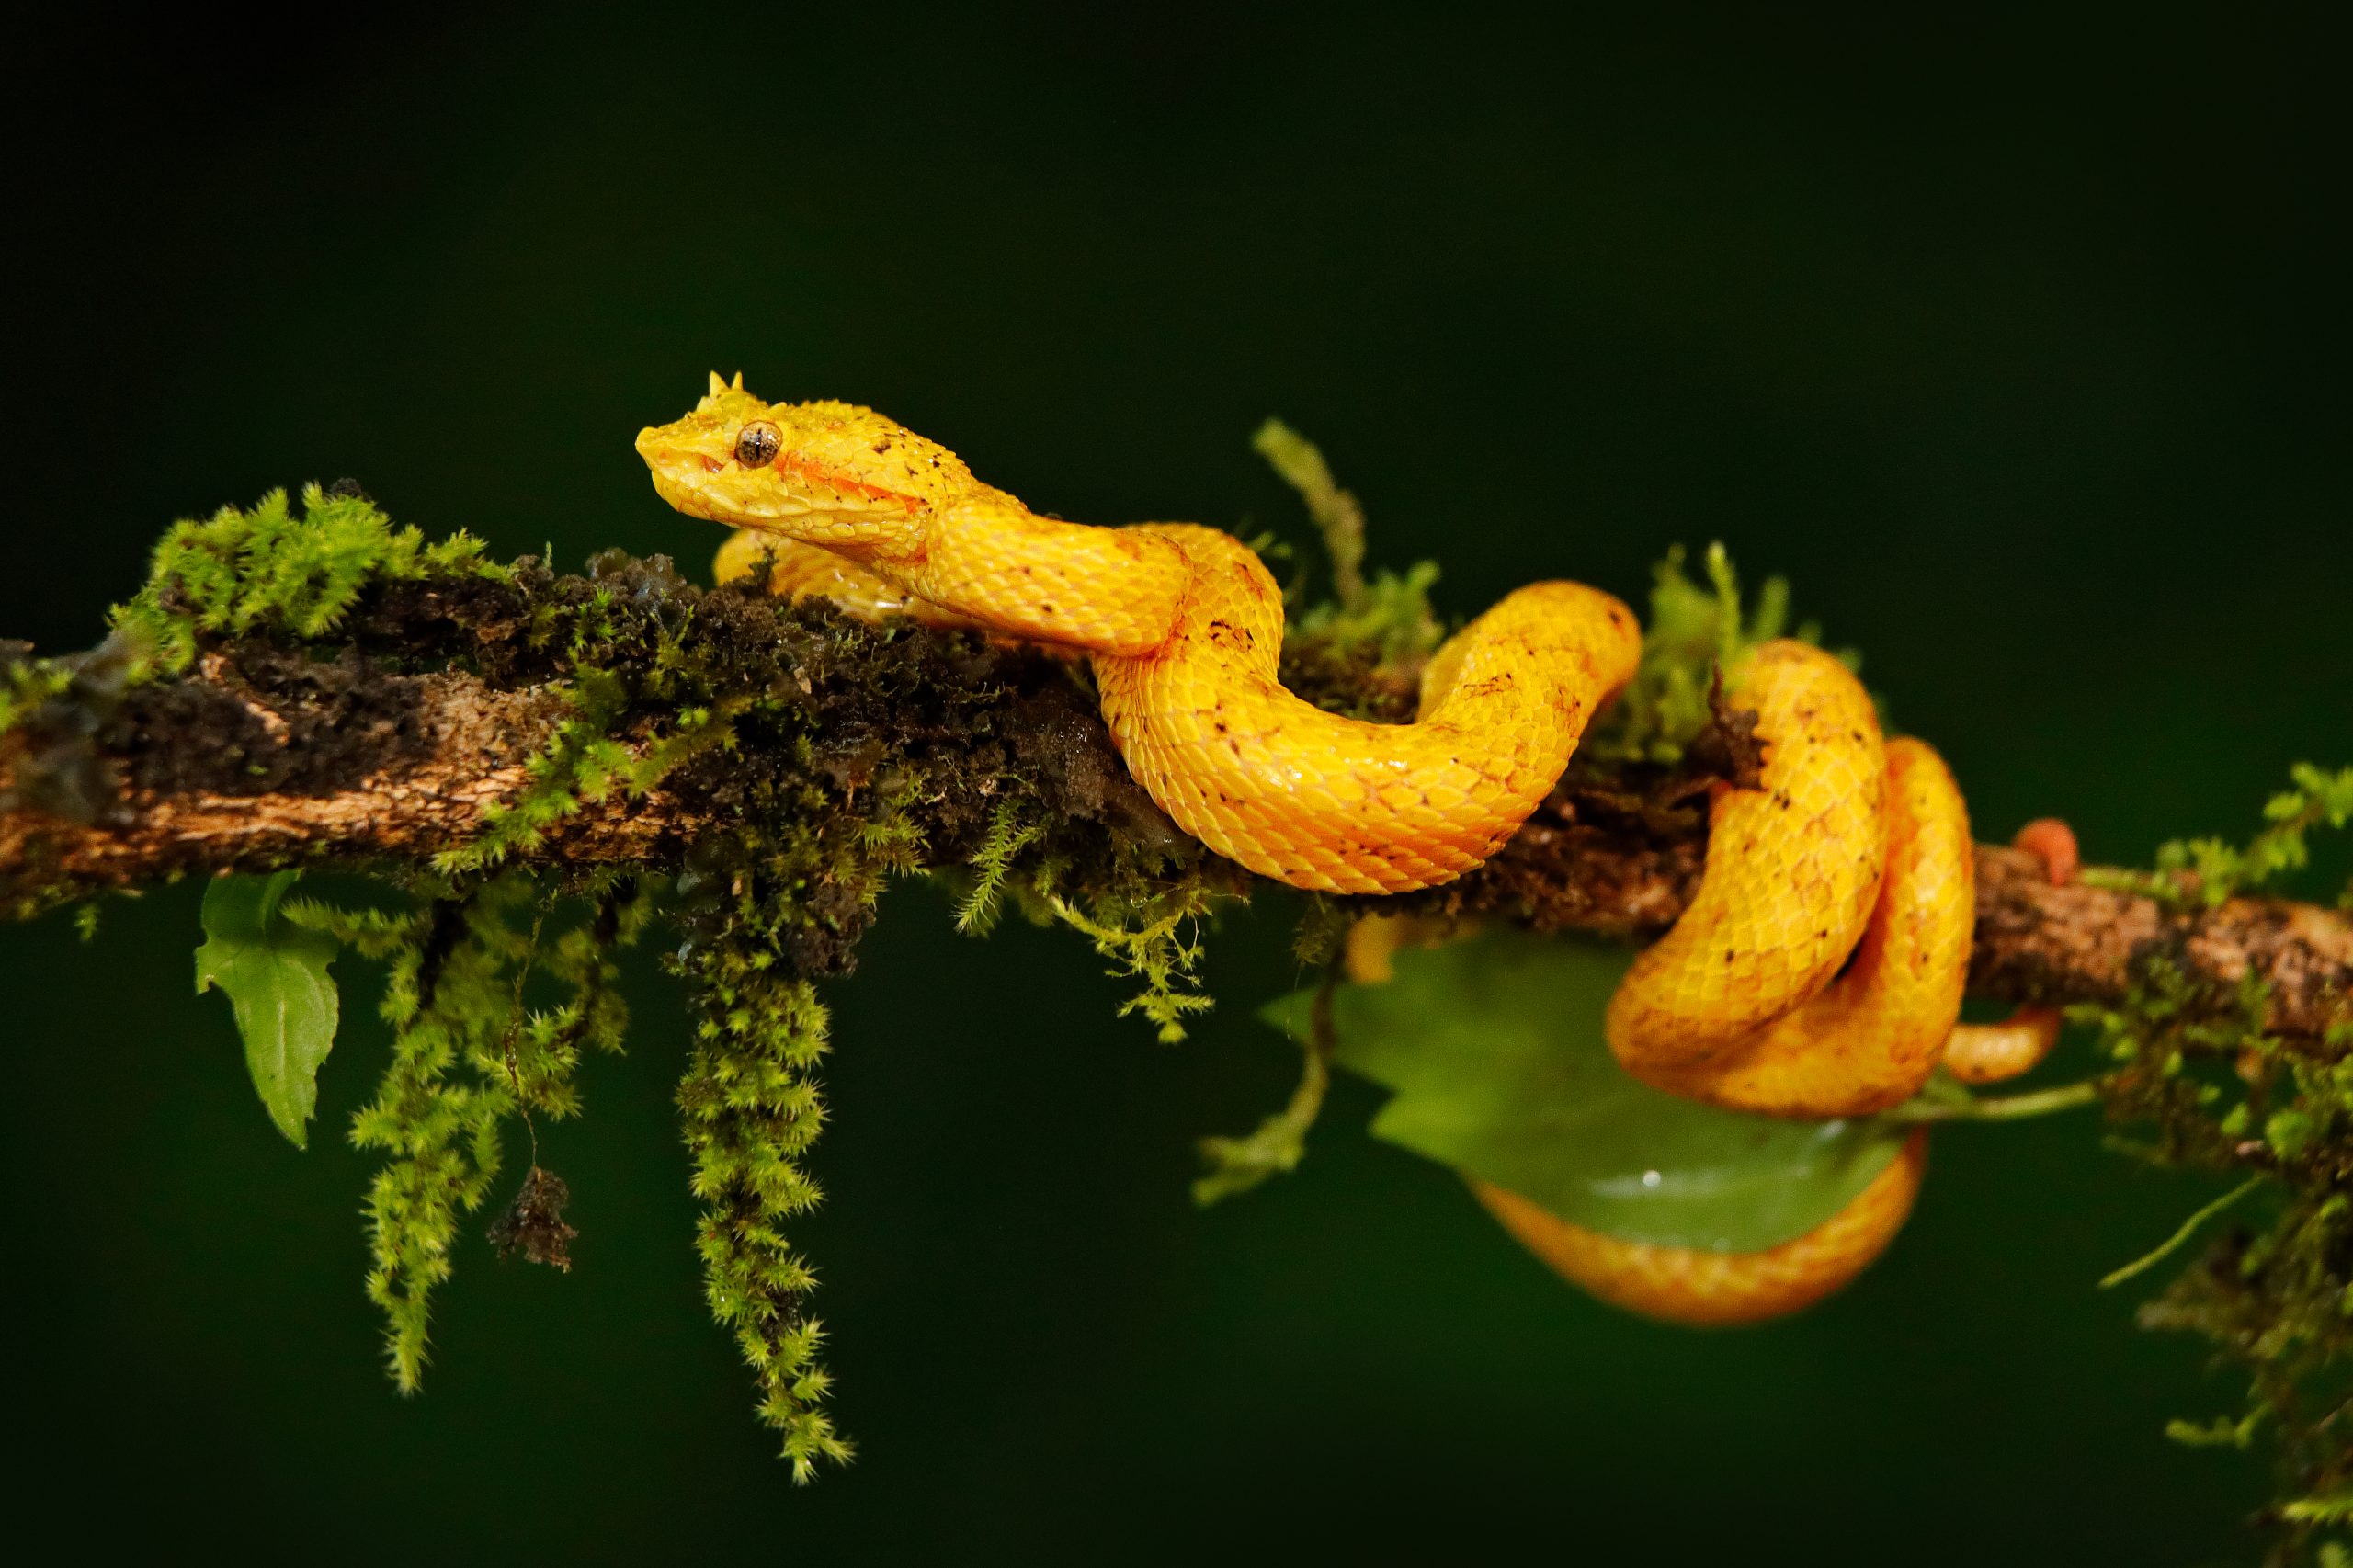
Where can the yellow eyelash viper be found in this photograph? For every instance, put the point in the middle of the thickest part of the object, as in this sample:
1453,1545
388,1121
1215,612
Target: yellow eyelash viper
1849,846
1184,626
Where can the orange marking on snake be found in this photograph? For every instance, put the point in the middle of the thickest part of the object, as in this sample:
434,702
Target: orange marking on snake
838,480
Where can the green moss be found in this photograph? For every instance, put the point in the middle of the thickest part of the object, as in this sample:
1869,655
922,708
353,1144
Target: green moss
2210,872
1695,632
278,569
468,1056
661,679
28,686
752,1108
1390,620
1338,515
1358,651
2191,1065
1010,833
1154,937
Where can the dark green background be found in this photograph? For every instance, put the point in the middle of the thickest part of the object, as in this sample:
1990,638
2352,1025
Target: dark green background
2021,347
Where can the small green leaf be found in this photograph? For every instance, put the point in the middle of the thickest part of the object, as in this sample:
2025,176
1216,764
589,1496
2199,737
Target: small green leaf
1493,1048
276,976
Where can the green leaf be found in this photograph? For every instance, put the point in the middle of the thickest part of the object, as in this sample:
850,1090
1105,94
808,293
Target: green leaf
1493,1048
276,976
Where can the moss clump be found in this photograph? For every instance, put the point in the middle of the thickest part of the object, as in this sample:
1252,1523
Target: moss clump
468,1056
274,568
752,1108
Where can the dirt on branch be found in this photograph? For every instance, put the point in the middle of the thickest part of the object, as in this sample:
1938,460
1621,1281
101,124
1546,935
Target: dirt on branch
386,746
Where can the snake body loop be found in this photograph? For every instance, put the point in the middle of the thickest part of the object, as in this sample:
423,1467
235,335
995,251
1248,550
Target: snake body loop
1870,1039
1817,972
1716,1290
1792,874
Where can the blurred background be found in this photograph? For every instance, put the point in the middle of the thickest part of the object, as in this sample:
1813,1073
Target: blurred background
2018,346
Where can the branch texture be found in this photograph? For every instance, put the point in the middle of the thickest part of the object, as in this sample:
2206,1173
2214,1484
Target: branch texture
386,743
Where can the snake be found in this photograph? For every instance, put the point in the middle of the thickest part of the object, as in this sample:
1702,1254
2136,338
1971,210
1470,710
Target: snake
1817,971
1183,627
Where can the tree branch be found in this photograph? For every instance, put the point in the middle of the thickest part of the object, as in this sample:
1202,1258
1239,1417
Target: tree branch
384,745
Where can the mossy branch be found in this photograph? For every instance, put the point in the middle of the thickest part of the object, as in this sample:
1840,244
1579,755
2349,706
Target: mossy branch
420,731
498,742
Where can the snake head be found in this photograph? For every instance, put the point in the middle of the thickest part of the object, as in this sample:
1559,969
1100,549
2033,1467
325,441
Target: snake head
826,473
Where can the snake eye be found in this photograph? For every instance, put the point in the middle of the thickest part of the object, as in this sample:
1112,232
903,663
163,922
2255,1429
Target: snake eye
757,444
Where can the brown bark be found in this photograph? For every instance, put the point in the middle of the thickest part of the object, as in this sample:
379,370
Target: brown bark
263,759
421,766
